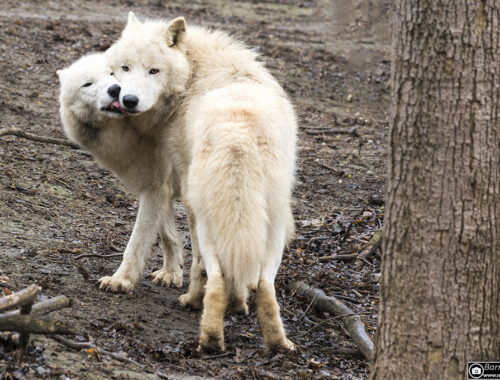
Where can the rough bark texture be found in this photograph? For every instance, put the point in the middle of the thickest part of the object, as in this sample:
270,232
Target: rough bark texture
440,285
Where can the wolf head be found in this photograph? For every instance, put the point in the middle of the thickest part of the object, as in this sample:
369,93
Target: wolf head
89,89
149,60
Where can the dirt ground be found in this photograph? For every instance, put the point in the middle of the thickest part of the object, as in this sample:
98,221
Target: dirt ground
56,203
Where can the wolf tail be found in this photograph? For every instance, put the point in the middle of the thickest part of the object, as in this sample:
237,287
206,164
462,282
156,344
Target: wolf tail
232,200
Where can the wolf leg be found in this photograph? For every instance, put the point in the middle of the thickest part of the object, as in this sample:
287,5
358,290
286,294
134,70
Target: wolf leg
173,257
268,313
214,303
268,310
138,250
198,274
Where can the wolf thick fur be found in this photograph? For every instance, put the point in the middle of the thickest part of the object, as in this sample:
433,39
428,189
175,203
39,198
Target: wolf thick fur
229,136
135,156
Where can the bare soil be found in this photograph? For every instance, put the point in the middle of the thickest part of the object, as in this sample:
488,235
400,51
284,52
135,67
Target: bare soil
55,202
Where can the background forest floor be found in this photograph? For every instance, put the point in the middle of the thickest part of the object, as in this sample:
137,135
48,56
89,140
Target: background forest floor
332,57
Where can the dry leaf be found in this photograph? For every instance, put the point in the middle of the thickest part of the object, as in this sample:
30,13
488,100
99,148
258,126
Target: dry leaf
94,353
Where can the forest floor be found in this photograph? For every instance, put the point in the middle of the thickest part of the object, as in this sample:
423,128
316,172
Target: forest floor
332,57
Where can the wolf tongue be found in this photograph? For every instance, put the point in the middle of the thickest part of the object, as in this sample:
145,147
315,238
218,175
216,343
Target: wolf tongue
116,104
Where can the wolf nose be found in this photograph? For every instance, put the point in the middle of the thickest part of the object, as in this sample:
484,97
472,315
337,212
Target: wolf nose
114,90
130,101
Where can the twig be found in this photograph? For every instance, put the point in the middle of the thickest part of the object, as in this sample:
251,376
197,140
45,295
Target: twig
339,173
373,244
48,306
97,255
22,297
309,306
44,139
336,308
33,325
347,257
332,131
88,345
223,355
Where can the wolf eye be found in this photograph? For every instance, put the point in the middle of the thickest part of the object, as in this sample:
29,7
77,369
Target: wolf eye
112,73
87,84
125,68
154,71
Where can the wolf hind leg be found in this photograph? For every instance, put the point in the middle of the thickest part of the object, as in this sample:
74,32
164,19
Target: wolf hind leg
214,303
268,310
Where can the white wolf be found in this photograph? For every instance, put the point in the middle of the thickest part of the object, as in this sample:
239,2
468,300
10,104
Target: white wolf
230,137
93,118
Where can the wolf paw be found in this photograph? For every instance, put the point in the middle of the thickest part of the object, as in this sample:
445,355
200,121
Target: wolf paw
284,345
116,284
193,301
211,343
168,278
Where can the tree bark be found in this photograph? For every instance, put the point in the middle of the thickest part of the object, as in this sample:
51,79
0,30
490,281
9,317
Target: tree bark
440,297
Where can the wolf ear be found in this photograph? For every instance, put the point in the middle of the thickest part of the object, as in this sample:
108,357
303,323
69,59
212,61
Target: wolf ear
132,19
175,31
60,73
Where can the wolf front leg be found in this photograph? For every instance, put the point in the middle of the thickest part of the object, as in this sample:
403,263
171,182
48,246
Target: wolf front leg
144,234
173,254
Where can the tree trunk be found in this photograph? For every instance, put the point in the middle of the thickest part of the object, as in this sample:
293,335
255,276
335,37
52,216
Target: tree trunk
440,284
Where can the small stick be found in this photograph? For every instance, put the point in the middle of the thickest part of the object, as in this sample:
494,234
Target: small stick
223,355
337,172
97,255
22,297
332,131
44,139
347,257
309,306
374,243
88,345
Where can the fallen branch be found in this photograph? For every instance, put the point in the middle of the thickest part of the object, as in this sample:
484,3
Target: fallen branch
30,324
97,255
336,308
44,139
23,297
48,306
91,346
332,131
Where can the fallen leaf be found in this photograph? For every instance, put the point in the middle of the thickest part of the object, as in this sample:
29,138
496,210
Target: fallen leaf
94,353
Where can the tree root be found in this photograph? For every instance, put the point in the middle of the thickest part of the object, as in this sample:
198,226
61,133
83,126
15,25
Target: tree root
351,320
